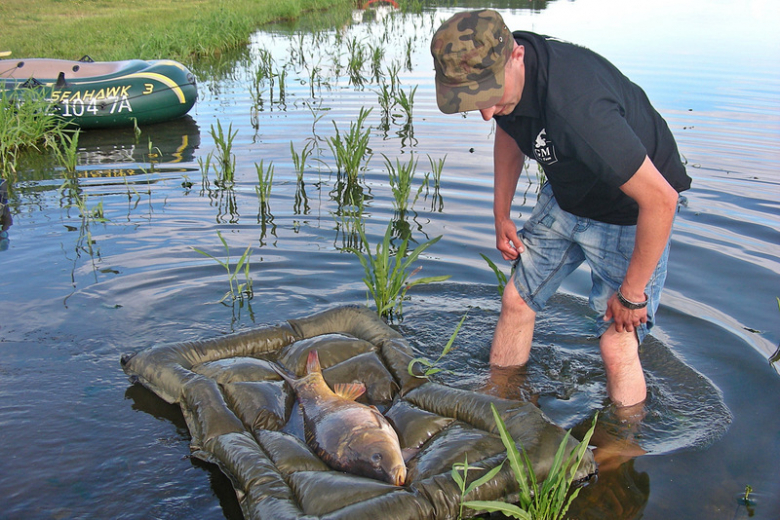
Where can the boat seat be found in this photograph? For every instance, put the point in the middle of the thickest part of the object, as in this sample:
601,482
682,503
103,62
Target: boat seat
43,69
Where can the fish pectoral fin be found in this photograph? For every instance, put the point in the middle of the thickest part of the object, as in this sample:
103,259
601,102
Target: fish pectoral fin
349,390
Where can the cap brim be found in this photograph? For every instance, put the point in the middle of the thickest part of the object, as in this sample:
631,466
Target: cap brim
466,98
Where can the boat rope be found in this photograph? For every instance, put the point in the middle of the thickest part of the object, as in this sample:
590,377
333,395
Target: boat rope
11,70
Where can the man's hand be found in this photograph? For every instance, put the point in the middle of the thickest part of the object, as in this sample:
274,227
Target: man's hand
507,164
507,239
626,320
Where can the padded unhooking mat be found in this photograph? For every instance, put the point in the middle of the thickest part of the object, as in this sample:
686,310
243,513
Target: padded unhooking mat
243,417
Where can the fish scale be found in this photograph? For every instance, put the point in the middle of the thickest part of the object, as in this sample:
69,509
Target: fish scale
347,435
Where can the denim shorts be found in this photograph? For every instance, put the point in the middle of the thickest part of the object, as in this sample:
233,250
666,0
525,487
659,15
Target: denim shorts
557,242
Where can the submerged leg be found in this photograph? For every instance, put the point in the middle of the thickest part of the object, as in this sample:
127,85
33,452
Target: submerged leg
514,330
625,378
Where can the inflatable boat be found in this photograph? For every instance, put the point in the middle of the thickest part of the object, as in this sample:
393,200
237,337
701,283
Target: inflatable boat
106,94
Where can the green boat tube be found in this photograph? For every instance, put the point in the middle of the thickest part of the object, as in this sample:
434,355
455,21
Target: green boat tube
107,94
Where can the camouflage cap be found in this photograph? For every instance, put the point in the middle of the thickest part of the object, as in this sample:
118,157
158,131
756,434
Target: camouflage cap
469,52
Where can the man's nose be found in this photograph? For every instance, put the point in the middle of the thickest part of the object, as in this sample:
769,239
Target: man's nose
487,113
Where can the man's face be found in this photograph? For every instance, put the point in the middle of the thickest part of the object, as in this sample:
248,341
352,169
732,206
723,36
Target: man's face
514,80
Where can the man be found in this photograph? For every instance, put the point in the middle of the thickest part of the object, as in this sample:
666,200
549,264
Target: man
613,174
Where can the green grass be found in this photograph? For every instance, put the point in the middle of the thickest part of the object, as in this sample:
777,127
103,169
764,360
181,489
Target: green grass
460,474
401,178
549,500
387,273
145,29
26,126
500,276
433,368
67,152
225,159
265,179
236,290
350,149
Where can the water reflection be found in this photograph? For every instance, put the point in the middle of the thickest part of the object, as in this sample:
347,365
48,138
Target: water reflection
6,220
158,146
621,493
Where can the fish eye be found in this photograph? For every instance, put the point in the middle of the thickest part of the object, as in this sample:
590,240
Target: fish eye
376,458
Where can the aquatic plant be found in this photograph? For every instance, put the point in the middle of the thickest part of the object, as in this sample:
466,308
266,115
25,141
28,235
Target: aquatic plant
551,499
392,72
462,479
299,159
357,58
437,167
75,196
432,366
387,275
265,66
257,90
263,72
300,203
747,501
265,178
407,101
500,276
237,291
351,149
437,202
377,54
225,160
386,101
153,153
315,79
282,75
136,130
205,166
67,151
26,123
409,49
401,178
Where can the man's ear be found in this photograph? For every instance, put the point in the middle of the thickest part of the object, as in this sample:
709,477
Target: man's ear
518,51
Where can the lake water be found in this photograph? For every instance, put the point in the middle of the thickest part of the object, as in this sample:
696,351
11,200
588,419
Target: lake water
78,441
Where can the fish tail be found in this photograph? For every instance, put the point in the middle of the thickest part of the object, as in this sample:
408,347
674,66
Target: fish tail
313,363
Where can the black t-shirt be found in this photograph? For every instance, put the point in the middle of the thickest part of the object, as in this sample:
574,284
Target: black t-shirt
590,128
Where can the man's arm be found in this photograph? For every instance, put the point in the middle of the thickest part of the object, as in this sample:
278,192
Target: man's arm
657,202
507,165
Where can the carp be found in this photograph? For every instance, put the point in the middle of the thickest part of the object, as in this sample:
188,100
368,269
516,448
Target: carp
347,435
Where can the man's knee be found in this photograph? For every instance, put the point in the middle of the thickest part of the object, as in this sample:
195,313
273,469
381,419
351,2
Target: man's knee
512,303
619,349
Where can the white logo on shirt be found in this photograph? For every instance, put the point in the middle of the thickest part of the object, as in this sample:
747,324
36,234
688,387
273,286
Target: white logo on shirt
544,149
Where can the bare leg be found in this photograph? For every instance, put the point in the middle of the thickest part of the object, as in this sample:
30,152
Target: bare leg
625,378
514,330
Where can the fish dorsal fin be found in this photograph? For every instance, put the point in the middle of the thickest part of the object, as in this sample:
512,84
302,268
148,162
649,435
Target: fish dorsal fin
349,390
313,363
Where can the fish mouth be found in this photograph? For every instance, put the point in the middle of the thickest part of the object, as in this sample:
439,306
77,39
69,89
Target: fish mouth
398,475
